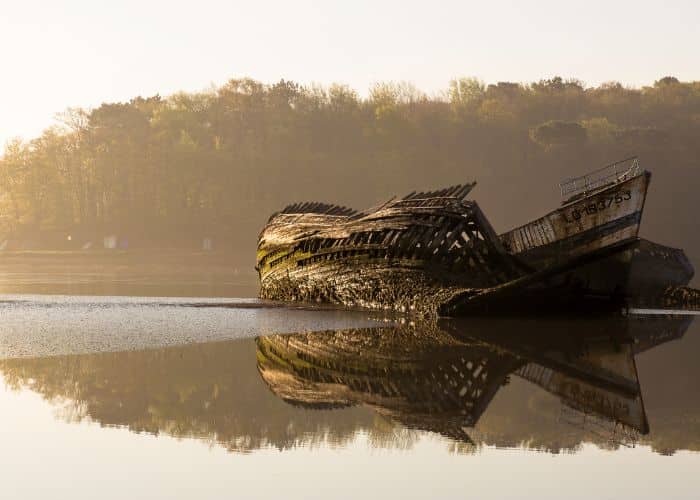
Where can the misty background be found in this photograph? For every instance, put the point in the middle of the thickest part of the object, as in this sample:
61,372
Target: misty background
137,159
161,172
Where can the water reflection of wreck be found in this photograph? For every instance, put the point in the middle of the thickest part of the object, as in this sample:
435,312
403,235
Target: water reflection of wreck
436,253
442,378
410,379
214,391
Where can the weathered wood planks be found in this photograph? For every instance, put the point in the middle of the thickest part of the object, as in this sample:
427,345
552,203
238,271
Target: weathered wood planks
411,253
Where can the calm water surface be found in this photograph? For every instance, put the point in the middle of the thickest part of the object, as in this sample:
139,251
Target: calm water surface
147,397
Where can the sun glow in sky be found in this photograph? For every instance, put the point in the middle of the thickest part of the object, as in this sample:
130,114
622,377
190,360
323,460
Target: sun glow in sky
82,53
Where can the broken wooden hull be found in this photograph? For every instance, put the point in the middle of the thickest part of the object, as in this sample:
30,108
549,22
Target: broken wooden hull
411,254
436,254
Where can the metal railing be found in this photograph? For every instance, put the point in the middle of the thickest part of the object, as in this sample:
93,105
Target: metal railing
609,174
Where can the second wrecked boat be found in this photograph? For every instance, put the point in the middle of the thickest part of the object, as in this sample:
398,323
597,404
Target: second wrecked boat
436,253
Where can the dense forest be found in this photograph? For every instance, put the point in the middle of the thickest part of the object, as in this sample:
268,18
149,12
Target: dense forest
170,171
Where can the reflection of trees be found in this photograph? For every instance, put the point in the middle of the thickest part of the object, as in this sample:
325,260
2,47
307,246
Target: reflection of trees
209,391
383,382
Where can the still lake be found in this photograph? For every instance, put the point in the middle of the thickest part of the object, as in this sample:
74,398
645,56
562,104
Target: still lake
124,385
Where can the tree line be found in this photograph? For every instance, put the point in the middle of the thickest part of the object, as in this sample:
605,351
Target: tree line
169,171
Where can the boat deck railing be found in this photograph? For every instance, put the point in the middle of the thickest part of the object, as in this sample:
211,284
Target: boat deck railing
609,174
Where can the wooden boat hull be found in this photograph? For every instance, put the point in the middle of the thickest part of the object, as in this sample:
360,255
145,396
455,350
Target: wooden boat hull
609,218
639,271
436,254
411,254
602,219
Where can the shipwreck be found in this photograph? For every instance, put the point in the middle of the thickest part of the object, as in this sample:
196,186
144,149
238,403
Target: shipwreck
435,253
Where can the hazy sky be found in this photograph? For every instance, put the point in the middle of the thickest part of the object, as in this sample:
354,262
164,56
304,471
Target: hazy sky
56,54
